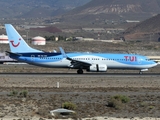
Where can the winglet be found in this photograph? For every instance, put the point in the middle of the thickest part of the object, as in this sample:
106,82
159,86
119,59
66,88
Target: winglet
62,52
64,55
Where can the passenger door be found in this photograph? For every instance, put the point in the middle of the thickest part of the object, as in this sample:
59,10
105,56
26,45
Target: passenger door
32,57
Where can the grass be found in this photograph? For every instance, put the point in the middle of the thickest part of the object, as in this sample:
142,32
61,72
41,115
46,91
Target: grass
15,93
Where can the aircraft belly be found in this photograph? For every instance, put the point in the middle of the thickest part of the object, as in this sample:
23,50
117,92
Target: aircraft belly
118,65
53,64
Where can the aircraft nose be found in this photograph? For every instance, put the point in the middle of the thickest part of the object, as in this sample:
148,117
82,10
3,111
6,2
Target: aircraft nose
154,64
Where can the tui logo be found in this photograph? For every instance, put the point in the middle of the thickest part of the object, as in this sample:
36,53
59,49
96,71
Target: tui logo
130,58
15,45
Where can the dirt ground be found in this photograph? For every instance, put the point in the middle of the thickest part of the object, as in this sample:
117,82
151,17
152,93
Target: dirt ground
90,94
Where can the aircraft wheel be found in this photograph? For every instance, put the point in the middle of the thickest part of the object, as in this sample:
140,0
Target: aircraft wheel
80,71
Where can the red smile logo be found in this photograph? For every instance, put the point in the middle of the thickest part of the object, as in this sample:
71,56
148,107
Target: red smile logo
15,45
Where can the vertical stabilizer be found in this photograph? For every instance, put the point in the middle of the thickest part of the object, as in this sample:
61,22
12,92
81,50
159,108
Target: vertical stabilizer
16,42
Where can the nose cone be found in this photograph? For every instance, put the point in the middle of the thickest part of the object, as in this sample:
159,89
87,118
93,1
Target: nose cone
154,64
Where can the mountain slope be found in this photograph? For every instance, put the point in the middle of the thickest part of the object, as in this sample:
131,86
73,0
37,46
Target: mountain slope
115,9
120,6
150,25
148,28
23,8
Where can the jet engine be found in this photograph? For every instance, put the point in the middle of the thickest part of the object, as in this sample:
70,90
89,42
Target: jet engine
97,68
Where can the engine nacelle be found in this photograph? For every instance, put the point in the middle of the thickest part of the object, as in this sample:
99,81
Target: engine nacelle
97,68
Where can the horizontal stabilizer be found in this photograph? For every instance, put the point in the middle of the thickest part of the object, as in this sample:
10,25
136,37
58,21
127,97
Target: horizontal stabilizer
16,54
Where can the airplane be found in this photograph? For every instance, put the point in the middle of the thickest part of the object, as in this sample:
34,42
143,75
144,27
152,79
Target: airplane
91,62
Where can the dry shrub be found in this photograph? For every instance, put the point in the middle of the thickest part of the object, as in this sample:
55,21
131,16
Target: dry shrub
69,106
117,101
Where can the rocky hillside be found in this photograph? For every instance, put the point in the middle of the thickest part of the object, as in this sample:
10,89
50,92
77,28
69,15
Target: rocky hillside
115,9
37,8
150,25
149,28
121,7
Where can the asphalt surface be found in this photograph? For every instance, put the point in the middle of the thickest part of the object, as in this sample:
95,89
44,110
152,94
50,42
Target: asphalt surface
30,70
82,75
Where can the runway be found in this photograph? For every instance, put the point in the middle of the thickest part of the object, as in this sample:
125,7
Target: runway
82,75
34,71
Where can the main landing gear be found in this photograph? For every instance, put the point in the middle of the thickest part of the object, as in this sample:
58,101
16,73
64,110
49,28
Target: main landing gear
79,71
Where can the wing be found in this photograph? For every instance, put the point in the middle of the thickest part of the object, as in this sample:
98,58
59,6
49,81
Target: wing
78,64
75,63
